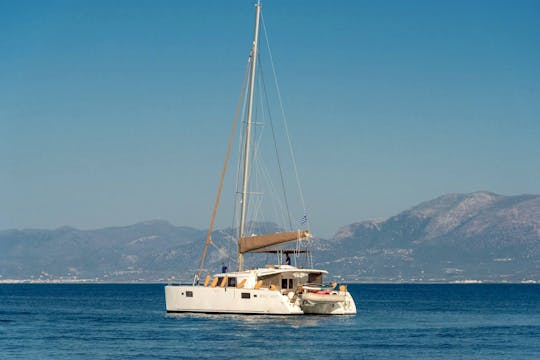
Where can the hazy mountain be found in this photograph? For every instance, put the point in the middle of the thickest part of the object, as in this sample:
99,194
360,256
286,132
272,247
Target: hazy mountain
148,251
482,236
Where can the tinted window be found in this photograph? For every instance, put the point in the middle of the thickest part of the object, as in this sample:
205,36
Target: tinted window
189,293
231,281
246,295
283,283
315,278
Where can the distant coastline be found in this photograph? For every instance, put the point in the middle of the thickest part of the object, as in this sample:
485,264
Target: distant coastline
91,281
479,237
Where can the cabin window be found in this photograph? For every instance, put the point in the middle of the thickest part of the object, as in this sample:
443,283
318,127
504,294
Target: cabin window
189,293
231,282
246,295
286,283
315,279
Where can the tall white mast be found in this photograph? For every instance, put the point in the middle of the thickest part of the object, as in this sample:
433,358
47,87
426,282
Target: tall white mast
243,203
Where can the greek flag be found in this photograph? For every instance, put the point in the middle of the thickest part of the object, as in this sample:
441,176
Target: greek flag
304,218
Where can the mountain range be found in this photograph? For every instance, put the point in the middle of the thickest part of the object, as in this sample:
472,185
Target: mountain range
479,236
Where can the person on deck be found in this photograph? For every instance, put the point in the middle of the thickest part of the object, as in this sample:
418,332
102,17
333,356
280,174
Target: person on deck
223,268
287,259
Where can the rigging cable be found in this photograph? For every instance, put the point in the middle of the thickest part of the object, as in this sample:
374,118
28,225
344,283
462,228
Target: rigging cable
300,191
275,146
263,172
284,119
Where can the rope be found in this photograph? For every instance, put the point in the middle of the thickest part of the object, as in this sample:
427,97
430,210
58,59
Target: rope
222,177
235,230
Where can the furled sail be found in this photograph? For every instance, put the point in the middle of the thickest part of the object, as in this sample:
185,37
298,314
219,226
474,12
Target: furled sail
251,243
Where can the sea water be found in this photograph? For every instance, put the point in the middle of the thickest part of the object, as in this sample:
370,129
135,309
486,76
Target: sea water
405,321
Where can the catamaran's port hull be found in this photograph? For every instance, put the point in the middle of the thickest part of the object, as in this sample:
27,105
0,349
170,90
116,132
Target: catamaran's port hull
199,299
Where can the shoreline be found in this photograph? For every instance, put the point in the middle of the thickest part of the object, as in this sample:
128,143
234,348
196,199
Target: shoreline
149,282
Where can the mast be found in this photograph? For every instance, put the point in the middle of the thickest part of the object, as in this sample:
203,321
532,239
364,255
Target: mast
243,201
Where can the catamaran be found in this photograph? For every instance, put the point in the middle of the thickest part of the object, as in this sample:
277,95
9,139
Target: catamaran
278,289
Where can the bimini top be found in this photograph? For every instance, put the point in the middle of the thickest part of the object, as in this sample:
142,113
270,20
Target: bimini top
282,251
273,270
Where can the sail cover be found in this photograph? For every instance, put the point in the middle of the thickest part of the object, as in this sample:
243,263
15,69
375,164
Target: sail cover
251,243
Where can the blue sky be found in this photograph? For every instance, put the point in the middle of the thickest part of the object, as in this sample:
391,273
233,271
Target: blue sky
117,112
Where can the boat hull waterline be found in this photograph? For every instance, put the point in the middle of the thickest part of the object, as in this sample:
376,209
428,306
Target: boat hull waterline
260,301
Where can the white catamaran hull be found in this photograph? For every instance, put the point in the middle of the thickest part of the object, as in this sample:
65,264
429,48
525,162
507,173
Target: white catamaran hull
198,299
185,298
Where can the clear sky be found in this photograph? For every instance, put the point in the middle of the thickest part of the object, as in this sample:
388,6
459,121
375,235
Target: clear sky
113,112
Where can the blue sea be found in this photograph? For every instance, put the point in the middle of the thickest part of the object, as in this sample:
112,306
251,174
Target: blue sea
406,321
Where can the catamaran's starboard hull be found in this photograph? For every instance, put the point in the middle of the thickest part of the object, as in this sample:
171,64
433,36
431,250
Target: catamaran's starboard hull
199,299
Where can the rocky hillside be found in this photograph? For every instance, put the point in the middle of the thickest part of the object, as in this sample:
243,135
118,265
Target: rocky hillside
477,236
148,251
456,237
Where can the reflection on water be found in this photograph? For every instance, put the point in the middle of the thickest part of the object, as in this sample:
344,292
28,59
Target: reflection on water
294,321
